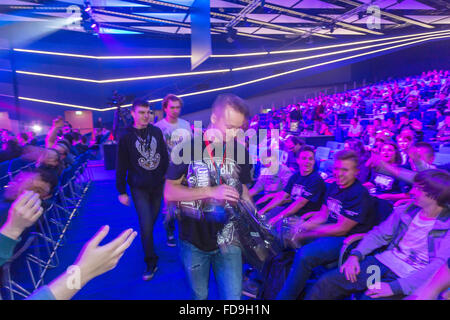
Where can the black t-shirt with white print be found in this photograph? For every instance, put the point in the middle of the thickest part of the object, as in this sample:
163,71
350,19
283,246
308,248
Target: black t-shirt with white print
311,187
354,203
196,225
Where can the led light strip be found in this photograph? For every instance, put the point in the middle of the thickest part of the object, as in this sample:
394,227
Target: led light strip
328,53
221,55
123,79
216,71
247,82
307,67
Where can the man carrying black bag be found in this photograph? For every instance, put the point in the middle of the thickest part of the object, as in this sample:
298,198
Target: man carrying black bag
206,180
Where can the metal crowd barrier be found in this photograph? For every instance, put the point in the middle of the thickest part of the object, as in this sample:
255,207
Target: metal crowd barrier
38,252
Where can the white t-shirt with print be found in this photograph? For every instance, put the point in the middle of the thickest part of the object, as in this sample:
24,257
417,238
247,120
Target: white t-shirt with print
411,254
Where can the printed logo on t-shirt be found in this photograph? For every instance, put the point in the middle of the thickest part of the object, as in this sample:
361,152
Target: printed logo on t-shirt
351,213
334,206
299,191
149,159
384,182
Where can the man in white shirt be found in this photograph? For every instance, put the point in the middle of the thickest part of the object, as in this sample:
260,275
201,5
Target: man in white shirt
175,130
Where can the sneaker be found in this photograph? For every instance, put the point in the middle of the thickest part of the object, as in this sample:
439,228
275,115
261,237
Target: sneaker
171,242
149,273
250,288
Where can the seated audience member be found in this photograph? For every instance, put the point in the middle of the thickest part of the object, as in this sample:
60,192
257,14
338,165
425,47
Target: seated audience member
355,130
441,104
421,156
10,150
305,189
39,181
79,144
369,136
23,139
439,283
289,155
389,124
52,135
23,213
273,177
357,146
444,132
417,242
50,159
92,261
386,186
325,130
404,144
377,125
346,210
414,125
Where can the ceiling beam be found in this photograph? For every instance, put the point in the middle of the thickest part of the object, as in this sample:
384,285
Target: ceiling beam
391,16
297,13
231,17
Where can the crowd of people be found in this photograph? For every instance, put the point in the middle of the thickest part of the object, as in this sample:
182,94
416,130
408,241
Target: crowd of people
383,192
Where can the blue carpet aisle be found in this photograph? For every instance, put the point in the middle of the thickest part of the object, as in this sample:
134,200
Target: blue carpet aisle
101,207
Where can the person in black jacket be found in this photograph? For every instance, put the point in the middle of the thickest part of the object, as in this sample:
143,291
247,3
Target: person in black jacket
142,161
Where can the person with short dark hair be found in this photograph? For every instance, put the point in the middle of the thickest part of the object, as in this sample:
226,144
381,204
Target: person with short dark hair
304,191
346,211
289,155
142,162
417,241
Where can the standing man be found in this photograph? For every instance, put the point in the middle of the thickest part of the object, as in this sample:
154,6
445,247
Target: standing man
142,161
206,183
172,107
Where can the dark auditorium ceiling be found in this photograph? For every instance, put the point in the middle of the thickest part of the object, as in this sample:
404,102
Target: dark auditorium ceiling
282,20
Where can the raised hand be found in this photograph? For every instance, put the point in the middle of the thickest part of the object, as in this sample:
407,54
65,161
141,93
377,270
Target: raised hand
23,213
95,260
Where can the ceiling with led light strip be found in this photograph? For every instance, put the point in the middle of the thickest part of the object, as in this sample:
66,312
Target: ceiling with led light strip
282,20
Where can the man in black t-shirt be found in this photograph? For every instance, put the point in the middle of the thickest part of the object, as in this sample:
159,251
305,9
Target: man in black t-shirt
206,183
346,211
305,188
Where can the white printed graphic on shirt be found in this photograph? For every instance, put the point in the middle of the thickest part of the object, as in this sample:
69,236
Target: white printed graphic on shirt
384,182
334,206
150,159
299,191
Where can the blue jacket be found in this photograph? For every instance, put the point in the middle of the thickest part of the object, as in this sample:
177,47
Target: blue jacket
390,233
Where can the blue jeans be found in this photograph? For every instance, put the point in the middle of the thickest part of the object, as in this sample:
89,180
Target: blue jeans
147,204
333,285
319,252
227,268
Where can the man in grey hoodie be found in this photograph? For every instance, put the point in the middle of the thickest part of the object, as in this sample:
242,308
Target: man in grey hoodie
414,243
